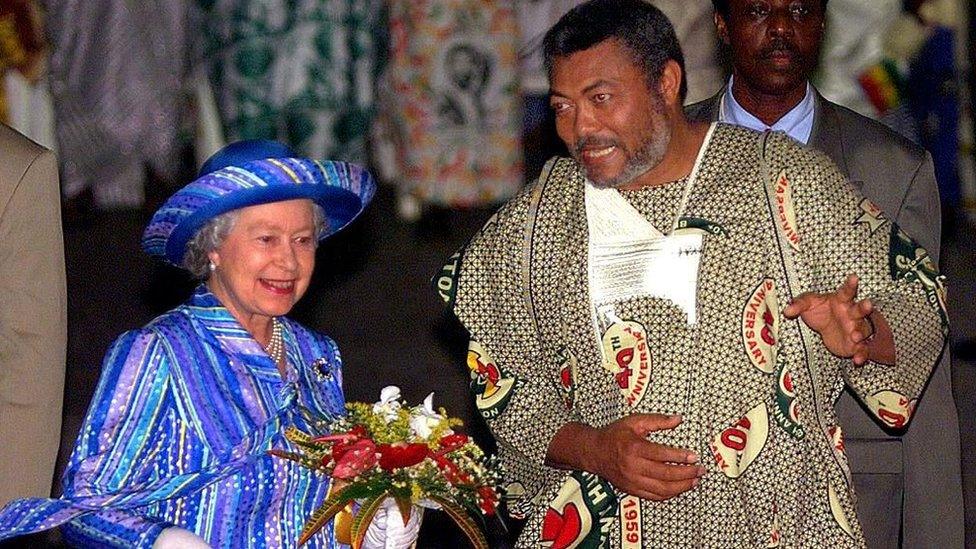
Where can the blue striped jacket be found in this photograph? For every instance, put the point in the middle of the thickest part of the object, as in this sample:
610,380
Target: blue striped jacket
177,431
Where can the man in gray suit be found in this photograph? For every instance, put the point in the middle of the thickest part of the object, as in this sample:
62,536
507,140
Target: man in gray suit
909,487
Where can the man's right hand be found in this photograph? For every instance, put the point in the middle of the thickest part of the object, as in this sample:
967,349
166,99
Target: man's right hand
621,454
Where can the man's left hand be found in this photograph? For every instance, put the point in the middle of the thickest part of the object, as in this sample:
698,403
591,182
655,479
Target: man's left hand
839,318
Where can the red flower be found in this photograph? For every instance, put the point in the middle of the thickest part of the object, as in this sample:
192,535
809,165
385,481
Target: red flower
342,443
449,443
488,500
357,458
451,471
338,449
398,455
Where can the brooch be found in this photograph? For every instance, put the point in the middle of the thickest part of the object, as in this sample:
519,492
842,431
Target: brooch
322,368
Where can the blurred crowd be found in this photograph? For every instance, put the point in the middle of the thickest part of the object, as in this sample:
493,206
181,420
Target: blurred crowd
444,99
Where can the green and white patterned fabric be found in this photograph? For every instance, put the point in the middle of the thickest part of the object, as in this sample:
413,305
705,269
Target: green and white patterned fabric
298,71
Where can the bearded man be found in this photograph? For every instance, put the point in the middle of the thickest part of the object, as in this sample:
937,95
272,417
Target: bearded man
670,314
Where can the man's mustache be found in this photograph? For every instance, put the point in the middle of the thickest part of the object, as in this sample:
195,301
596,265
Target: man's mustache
594,142
779,46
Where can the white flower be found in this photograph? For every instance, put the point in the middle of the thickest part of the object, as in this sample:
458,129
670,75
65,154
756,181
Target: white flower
423,419
389,403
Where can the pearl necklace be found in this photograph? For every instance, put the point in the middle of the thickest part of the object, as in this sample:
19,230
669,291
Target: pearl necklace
276,346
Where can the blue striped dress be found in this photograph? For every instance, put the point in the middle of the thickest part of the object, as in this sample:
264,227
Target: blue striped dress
176,435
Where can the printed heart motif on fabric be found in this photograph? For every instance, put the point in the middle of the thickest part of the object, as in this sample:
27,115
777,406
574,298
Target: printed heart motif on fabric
562,529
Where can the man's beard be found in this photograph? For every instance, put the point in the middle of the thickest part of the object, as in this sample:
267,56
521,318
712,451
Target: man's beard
649,152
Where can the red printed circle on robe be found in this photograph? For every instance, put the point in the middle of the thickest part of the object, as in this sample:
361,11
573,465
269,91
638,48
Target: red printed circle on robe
786,212
891,407
787,409
760,326
514,497
567,521
491,385
836,436
736,447
628,356
631,530
568,372
775,537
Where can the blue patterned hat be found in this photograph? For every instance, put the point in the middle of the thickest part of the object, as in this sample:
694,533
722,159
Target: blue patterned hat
248,173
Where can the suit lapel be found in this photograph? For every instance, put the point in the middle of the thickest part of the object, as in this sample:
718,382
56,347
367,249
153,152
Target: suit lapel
826,136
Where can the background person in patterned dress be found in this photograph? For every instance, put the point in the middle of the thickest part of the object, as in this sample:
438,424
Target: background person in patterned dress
725,435
900,480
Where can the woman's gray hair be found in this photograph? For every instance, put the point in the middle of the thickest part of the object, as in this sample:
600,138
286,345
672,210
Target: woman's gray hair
210,237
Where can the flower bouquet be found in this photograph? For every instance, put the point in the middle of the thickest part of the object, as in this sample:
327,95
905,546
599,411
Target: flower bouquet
410,455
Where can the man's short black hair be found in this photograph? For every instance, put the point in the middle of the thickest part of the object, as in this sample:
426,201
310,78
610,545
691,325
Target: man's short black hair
639,26
722,6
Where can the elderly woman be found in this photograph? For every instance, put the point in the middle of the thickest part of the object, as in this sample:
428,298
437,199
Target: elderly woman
173,450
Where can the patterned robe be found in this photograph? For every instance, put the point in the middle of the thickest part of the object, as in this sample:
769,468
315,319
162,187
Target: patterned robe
755,389
177,435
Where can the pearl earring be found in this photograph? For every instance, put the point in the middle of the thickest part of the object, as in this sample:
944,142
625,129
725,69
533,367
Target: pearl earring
213,267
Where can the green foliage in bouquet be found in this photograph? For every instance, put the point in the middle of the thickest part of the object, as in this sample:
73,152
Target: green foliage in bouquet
412,455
